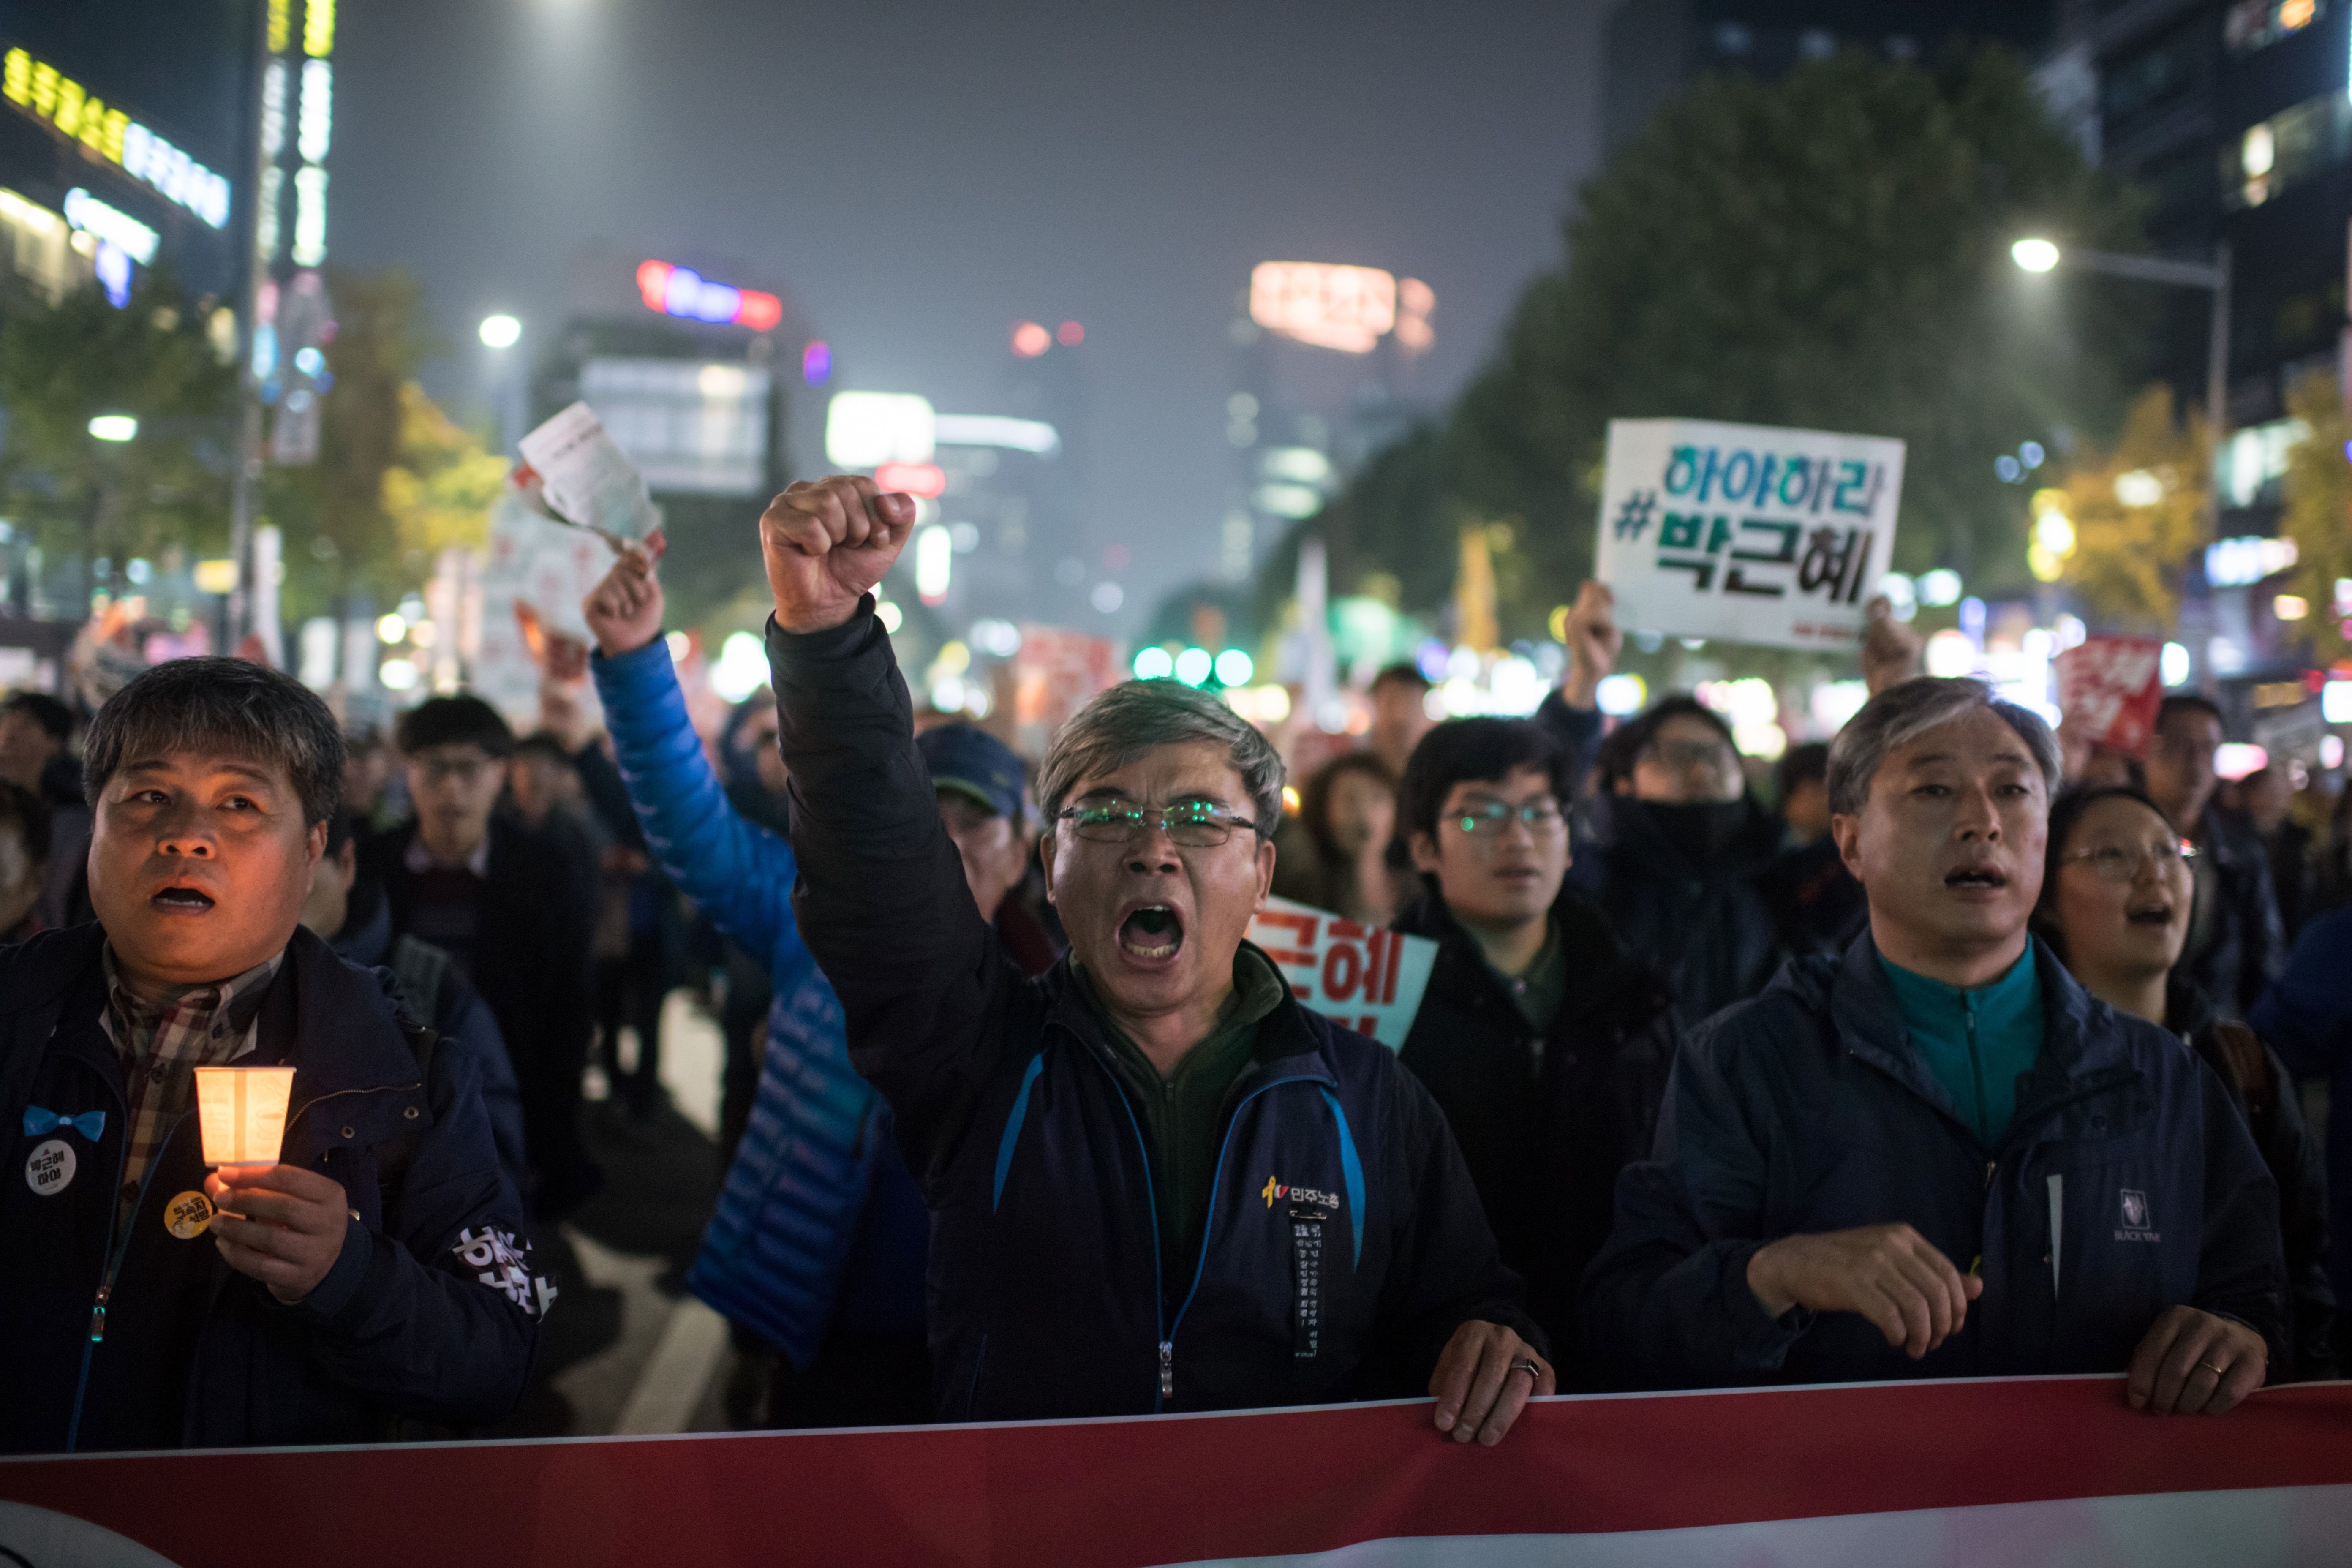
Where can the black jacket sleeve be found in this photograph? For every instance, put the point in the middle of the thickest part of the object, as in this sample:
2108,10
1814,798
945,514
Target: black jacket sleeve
882,899
1448,1270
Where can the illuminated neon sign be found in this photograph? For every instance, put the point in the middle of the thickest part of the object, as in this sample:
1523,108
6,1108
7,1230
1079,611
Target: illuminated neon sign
682,291
64,105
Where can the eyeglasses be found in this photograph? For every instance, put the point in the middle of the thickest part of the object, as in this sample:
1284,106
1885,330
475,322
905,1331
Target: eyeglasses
465,770
2112,864
1692,756
1189,825
1493,818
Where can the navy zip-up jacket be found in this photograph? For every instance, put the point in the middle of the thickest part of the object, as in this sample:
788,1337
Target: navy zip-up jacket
2127,1183
430,1311
1344,1242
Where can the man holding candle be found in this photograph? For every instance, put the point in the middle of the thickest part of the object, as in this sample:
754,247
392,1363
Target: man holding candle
372,1272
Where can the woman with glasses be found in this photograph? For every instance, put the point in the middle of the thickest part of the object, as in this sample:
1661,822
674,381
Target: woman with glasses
2115,898
1542,1038
1679,855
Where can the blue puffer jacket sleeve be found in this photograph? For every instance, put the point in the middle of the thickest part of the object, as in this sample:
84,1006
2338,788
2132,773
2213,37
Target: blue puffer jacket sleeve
738,872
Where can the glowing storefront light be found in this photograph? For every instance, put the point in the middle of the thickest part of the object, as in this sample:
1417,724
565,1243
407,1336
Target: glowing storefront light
126,233
309,216
997,430
684,292
37,89
867,429
1333,307
318,111
934,562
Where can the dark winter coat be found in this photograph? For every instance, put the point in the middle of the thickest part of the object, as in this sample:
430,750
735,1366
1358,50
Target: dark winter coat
1344,1242
2244,948
2125,1184
1706,920
429,1313
532,966
1546,1117
2265,1093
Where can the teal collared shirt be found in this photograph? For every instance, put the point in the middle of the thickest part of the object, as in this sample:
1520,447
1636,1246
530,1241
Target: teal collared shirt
1980,1043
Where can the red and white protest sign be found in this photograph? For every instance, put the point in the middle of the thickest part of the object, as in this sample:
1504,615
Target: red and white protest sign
2111,686
2025,1472
1368,981
1053,675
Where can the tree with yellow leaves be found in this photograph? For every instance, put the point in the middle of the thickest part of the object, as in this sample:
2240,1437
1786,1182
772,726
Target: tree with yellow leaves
2124,524
2318,516
440,487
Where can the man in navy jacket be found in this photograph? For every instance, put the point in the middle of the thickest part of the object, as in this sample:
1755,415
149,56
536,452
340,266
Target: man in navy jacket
1938,1156
375,1272
1156,1182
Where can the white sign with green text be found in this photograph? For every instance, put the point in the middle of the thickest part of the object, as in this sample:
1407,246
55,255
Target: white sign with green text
1746,532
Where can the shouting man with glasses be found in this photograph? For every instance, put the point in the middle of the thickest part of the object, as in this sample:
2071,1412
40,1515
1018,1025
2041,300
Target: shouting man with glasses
1544,1040
1156,1182
1940,1155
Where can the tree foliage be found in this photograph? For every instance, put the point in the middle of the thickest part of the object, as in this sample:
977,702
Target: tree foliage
64,362
2318,515
2132,551
1829,251
341,542
439,490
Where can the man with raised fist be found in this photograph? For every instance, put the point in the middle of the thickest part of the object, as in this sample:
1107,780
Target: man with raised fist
1156,1182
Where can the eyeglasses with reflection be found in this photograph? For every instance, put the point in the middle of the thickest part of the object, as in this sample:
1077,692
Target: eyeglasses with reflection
2113,863
1492,818
1188,824
1693,756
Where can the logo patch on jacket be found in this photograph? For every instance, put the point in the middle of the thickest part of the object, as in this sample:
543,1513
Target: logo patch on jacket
1304,1197
502,1264
2135,1218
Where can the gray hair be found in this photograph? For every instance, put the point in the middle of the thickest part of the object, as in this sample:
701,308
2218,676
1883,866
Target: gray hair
1139,716
1902,713
230,705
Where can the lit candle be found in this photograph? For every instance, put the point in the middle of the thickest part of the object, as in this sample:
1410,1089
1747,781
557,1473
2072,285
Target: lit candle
242,1112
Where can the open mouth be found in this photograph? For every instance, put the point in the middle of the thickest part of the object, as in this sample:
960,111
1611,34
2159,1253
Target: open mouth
189,900
1976,878
2157,915
1152,932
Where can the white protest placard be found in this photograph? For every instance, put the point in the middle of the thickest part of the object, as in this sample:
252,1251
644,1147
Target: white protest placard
1366,980
589,481
1746,532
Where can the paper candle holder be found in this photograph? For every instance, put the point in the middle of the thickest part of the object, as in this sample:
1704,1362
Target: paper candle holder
242,1112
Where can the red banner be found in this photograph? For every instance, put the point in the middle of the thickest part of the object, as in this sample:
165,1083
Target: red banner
1927,1463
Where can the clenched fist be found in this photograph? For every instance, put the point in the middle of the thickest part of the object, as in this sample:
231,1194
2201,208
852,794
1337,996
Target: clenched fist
828,543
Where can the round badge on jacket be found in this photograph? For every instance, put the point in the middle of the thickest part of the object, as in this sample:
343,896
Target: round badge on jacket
188,1215
50,1168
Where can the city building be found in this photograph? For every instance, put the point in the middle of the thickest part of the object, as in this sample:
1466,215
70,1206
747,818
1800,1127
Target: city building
1324,357
2236,117
124,142
691,367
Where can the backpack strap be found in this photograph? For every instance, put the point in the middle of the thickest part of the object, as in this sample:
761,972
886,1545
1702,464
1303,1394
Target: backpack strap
420,970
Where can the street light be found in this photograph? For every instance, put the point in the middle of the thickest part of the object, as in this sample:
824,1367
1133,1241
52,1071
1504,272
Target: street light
2034,255
114,427
500,332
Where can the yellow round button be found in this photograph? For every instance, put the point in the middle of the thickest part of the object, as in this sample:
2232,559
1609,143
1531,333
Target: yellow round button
188,1215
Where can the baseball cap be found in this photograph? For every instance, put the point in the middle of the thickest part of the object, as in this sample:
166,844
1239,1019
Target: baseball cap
973,762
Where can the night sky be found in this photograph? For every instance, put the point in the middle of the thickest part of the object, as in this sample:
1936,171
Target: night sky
925,176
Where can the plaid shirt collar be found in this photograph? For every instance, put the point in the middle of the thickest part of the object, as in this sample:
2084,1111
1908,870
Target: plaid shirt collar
183,1027
160,1046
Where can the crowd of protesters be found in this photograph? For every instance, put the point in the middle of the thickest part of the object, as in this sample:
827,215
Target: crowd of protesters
1943,1049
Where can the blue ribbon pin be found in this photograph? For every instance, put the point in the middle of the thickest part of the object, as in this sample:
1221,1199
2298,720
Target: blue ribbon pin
89,1123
